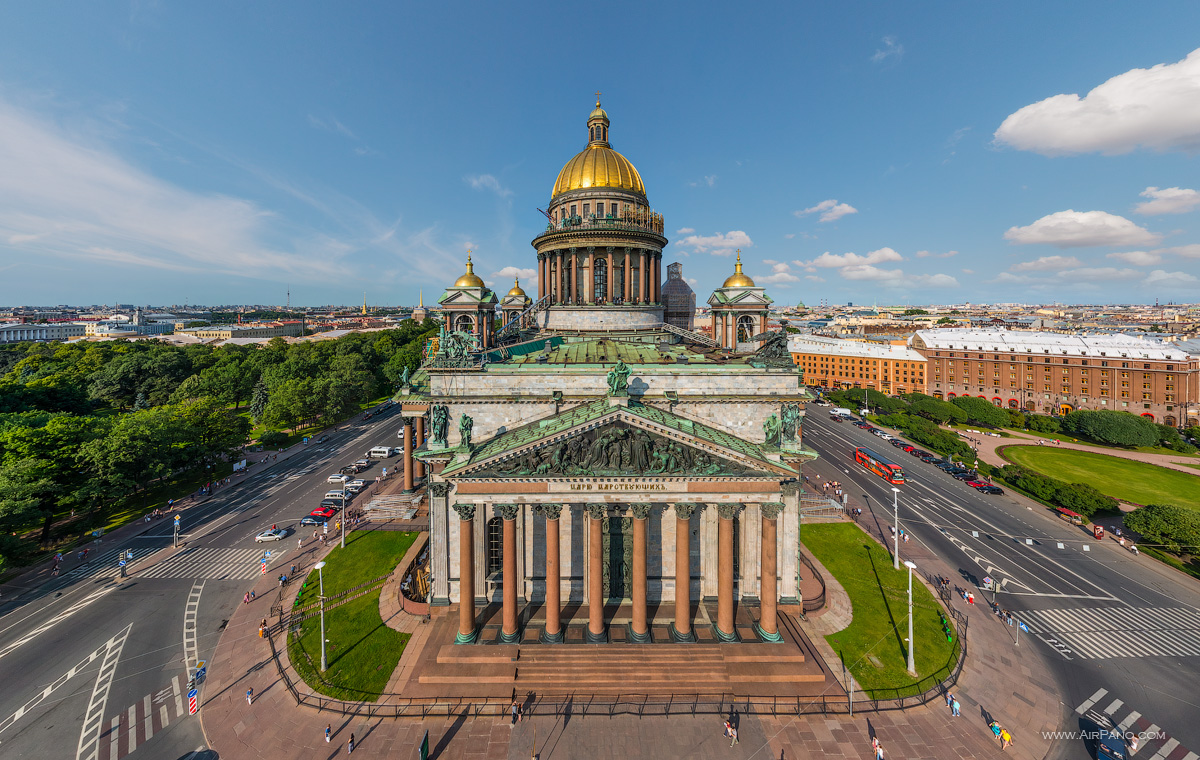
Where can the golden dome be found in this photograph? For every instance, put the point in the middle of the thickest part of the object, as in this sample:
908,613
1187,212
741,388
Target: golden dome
598,166
737,279
598,113
469,280
516,288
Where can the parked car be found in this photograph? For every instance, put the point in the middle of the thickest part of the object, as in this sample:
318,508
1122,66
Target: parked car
897,442
918,453
976,483
363,463
993,490
357,483
835,418
340,478
335,503
325,512
968,475
312,520
908,448
274,534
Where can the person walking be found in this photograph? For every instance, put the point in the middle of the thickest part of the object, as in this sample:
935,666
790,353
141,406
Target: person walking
950,699
250,696
1005,738
350,745
733,735
878,751
516,712
955,710
728,729
328,732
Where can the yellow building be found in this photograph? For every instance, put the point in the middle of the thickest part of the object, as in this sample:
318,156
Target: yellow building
834,363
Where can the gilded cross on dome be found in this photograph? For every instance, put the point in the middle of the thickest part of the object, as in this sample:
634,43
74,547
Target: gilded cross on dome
597,97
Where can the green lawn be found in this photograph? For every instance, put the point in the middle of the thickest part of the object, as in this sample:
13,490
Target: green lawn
873,645
361,651
1125,479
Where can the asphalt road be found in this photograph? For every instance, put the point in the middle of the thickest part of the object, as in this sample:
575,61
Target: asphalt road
1121,632
93,668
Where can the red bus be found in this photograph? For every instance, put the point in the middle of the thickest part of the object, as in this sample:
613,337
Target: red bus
889,471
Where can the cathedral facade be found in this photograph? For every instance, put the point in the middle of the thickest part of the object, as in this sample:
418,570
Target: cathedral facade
589,464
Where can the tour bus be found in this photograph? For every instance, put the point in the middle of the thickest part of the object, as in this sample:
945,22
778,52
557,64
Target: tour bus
881,466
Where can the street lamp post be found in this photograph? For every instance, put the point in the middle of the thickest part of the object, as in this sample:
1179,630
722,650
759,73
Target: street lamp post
343,519
896,530
912,667
321,592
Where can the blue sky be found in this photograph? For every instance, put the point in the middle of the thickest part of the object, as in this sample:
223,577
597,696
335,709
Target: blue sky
887,153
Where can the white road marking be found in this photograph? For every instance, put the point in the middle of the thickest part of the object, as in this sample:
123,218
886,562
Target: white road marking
114,744
149,717
133,742
46,692
1129,720
1166,749
89,736
190,611
179,694
68,612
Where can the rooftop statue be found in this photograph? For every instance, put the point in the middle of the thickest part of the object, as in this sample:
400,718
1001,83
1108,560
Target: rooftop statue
618,379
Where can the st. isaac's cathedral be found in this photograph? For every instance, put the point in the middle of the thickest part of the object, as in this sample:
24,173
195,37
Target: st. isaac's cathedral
596,471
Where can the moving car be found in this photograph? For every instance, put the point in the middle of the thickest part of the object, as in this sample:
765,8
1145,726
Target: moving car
322,438
273,534
325,512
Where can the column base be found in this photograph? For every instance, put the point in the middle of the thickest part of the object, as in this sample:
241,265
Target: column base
772,638
726,638
682,638
439,601
510,638
640,638
467,638
552,638
596,638
409,490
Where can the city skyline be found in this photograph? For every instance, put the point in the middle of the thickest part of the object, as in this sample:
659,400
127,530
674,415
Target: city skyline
160,155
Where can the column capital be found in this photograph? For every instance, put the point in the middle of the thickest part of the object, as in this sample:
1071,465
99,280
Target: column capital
770,509
790,488
685,509
728,510
508,511
641,510
440,489
597,511
549,511
465,511
407,421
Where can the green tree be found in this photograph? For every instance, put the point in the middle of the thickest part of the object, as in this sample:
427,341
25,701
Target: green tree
1112,428
913,312
27,492
140,402
982,411
1041,423
259,401
935,409
1175,528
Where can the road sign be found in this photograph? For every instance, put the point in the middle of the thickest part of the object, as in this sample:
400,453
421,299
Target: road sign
129,554
201,670
192,706
121,563
178,517
264,567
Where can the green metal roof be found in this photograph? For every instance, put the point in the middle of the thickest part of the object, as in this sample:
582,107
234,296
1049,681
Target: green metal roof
605,351
595,410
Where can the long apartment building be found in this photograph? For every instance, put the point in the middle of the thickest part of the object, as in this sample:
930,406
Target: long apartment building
1054,373
893,369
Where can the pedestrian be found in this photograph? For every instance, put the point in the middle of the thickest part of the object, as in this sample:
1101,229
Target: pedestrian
728,729
299,542
949,699
54,572
970,597
246,598
250,696
516,712
1005,738
328,731
878,751
733,735
955,709
350,745
906,537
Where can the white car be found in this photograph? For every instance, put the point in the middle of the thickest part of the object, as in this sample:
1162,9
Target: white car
339,479
275,534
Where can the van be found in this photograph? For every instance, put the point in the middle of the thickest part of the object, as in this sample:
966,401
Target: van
380,452
339,495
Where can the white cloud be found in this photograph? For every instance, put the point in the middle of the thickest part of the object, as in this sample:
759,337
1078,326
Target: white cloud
828,260
1137,258
830,210
718,244
1004,278
1156,108
890,49
927,254
1098,274
684,231
1048,264
1168,200
780,274
896,278
1075,229
508,273
1187,251
968,271
488,182
814,278
709,181
789,236
1163,278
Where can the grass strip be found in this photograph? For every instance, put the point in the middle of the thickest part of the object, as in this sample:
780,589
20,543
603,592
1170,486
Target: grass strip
1124,479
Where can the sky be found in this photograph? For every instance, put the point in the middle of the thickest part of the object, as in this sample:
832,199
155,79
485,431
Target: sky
876,153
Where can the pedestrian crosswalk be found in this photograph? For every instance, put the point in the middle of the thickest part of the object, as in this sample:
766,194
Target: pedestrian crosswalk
137,724
1142,736
105,563
1108,632
213,564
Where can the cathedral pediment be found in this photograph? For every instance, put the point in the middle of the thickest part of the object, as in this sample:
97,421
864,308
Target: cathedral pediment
599,440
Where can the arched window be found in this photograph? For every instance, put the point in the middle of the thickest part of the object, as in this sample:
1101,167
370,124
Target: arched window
600,280
495,544
464,323
745,328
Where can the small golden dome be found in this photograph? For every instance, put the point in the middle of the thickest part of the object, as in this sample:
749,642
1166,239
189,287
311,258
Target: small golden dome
737,279
516,288
469,280
598,113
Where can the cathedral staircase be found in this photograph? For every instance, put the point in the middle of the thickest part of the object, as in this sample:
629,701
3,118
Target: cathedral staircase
688,335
